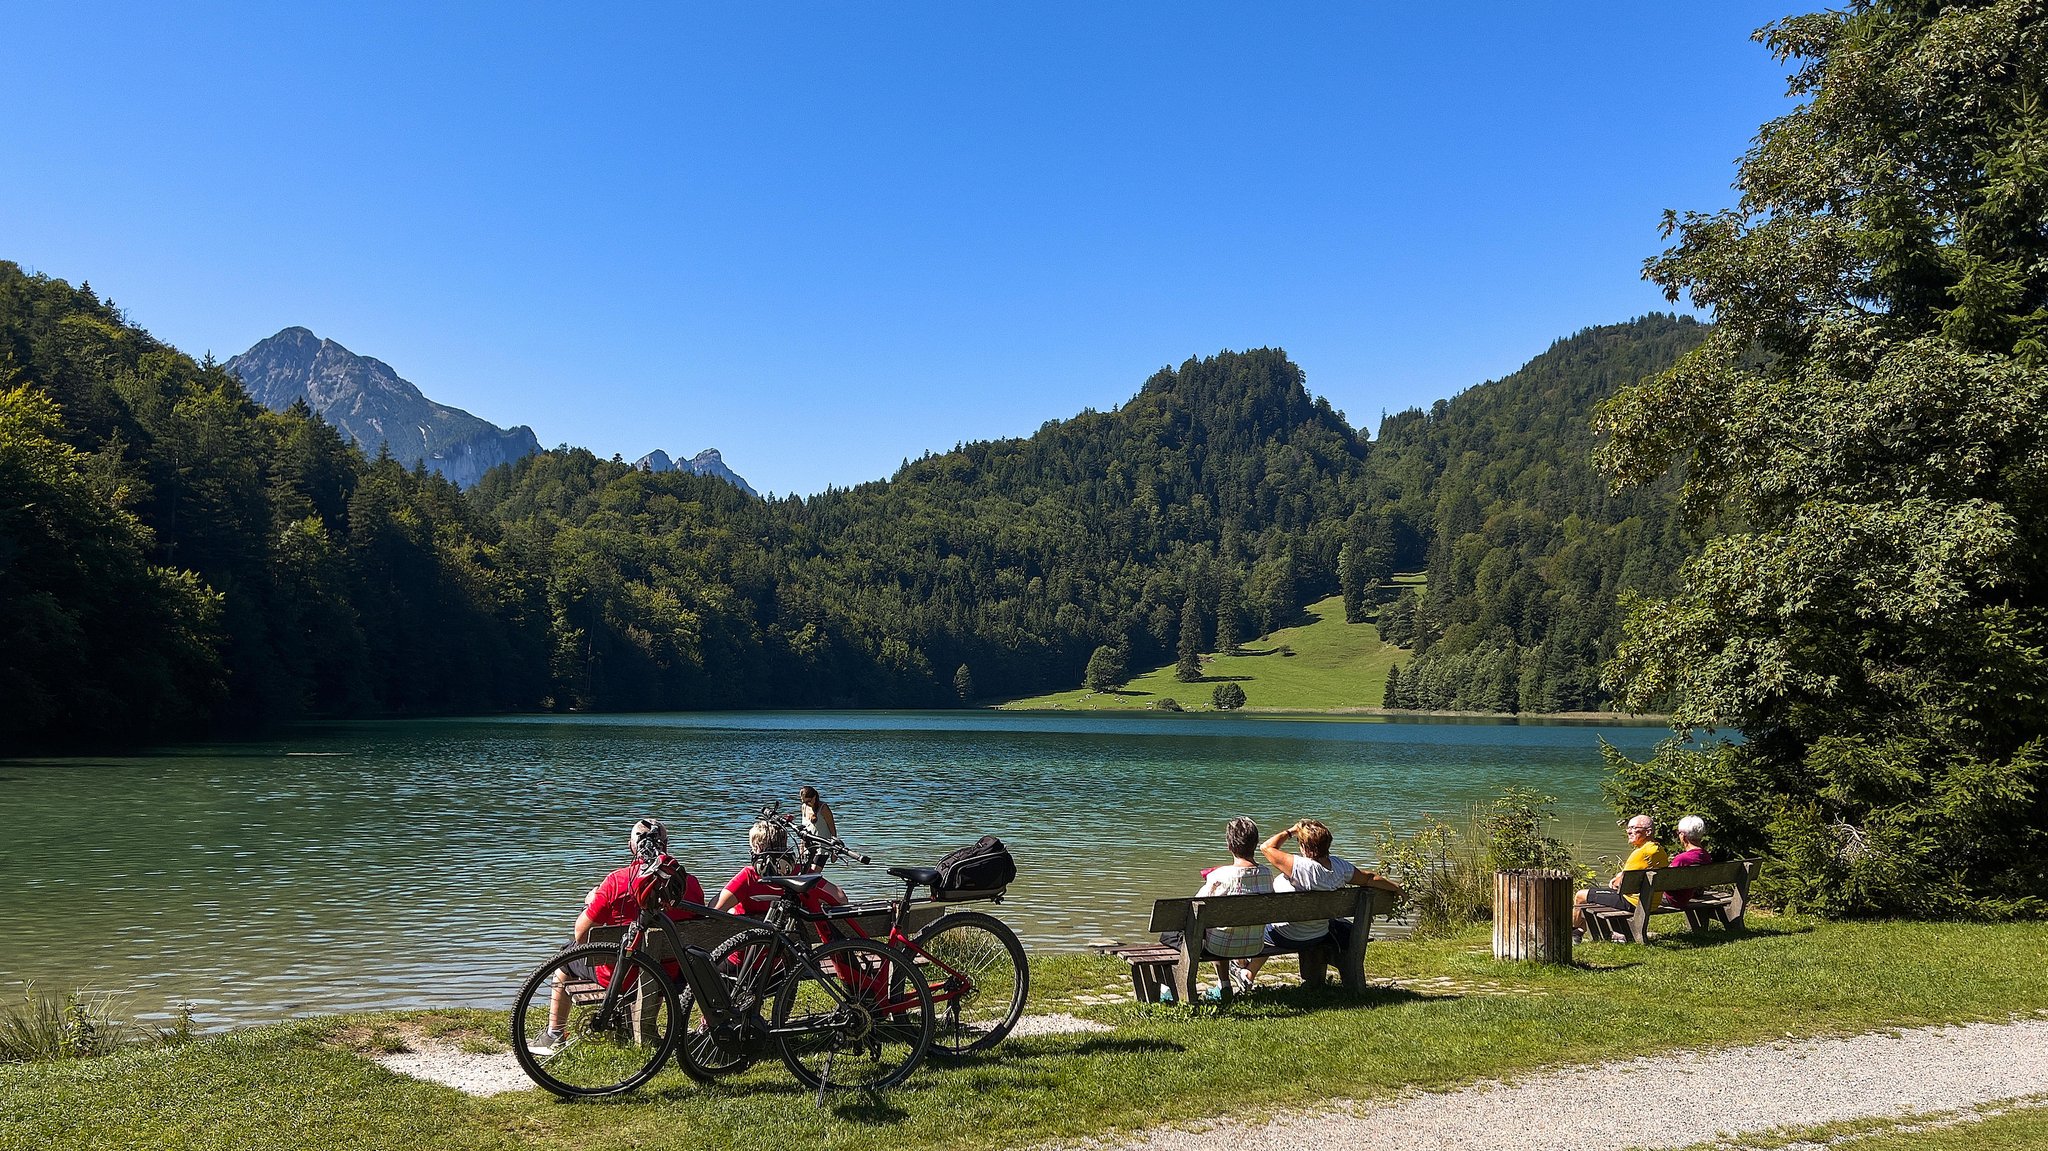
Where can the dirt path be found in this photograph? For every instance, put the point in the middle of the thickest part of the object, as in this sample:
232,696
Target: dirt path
1675,1101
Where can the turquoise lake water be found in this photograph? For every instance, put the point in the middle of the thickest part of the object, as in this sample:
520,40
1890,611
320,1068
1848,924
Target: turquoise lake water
432,863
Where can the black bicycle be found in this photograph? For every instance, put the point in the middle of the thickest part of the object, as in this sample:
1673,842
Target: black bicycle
975,965
602,1018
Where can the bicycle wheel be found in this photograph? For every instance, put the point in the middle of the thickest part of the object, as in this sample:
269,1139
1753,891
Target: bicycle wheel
979,978
864,1014
601,1049
752,965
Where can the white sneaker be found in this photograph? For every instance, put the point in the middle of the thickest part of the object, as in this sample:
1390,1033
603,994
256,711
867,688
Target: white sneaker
1240,980
549,1041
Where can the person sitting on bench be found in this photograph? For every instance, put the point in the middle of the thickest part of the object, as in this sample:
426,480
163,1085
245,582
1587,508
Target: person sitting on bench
1315,869
612,903
1692,834
769,848
1644,852
1241,876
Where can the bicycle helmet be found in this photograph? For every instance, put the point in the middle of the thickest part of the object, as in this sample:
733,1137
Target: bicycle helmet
648,841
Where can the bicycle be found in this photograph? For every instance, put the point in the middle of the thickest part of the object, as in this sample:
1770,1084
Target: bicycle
977,968
846,1013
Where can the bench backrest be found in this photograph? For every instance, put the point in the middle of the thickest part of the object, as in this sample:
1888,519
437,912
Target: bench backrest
706,933
1738,872
1347,902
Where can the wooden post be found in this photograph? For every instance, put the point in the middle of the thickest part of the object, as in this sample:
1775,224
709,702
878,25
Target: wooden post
1532,912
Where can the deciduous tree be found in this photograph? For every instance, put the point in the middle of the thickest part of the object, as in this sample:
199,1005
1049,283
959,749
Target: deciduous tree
1869,415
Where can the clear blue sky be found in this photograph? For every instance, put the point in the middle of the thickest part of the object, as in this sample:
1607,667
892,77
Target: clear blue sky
823,237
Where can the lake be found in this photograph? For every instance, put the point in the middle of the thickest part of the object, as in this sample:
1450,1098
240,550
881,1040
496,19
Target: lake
431,863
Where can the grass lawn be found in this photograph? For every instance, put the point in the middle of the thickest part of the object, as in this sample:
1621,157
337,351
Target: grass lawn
1333,665
300,1085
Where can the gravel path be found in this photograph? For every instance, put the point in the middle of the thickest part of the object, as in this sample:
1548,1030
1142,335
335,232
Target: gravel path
1677,1100
497,1073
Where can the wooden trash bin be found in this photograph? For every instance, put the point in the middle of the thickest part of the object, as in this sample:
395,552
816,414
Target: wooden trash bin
1532,915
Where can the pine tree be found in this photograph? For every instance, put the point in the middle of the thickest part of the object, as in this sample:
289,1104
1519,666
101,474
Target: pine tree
1226,612
963,684
1189,667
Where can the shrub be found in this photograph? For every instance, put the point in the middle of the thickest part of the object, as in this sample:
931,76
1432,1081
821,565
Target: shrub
1512,829
1227,697
1444,886
1168,703
43,1026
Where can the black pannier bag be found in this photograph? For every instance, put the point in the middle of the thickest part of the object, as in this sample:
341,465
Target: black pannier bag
986,866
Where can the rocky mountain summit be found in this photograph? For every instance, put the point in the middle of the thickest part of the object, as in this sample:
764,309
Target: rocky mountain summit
373,405
705,463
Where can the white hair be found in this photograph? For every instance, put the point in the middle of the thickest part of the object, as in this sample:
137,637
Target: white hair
1692,827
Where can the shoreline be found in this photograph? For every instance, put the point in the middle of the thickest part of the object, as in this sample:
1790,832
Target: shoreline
1619,718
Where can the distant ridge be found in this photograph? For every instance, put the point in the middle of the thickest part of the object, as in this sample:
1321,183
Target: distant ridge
705,463
369,402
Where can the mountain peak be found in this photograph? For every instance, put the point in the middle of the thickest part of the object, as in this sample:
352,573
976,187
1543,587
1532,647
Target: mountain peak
705,463
372,404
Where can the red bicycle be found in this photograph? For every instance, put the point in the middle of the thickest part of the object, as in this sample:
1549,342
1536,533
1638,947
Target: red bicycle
975,965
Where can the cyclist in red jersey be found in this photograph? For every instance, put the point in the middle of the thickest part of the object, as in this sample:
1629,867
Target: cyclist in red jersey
612,904
769,845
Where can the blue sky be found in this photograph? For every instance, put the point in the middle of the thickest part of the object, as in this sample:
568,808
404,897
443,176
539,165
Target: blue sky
824,237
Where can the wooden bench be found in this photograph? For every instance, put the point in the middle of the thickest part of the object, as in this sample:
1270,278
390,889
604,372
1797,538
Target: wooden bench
1156,967
1720,894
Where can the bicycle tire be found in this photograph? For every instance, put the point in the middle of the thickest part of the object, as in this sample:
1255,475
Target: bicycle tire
867,1015
978,1001
601,1053
752,964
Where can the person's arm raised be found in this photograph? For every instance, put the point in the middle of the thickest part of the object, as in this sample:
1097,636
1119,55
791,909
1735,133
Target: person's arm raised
1283,862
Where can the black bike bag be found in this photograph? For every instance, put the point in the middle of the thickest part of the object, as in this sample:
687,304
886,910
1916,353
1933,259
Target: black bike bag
983,869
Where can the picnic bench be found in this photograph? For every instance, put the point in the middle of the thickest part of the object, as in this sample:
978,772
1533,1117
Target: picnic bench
1719,894
1155,967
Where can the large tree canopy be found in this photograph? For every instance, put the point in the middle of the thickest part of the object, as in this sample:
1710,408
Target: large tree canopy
1866,422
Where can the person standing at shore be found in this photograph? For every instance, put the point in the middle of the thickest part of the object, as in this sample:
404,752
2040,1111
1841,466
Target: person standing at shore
817,814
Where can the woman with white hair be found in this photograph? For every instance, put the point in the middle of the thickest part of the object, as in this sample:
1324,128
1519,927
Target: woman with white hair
1692,835
1692,838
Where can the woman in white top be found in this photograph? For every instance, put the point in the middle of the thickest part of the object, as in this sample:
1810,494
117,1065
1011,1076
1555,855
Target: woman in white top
1315,869
817,816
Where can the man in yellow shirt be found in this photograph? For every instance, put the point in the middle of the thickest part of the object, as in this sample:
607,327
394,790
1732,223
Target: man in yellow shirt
1644,852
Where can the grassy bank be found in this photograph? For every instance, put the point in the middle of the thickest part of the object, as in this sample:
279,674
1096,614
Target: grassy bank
1450,1015
1321,664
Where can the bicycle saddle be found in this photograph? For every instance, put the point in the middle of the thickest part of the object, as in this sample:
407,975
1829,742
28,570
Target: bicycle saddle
792,884
917,876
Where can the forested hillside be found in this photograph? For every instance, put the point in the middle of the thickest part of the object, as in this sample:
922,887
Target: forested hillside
174,558
1526,546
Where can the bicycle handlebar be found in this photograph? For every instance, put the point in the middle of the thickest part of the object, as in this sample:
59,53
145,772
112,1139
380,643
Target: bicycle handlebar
835,848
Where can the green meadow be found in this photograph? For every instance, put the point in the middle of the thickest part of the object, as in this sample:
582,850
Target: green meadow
1319,664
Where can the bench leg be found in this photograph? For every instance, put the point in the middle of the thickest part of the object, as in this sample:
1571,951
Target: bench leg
1145,982
1315,962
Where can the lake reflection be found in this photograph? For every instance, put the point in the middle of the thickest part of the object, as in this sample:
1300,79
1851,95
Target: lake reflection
352,866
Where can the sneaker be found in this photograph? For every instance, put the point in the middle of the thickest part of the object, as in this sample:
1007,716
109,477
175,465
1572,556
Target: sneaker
549,1041
1578,935
1241,980
1212,994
